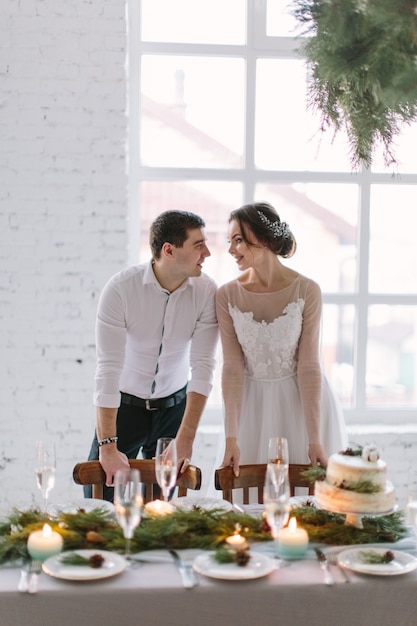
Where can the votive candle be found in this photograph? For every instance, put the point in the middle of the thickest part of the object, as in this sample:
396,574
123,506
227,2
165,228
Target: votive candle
44,543
292,541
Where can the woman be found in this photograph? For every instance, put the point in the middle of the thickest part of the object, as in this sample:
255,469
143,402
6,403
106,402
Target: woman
269,321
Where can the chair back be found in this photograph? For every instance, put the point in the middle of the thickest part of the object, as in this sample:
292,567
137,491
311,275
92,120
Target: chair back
253,475
91,473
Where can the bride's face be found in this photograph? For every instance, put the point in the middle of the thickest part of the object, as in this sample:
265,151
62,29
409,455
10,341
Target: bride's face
245,255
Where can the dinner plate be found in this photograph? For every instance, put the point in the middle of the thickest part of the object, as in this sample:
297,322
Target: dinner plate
87,504
258,566
113,564
353,559
187,503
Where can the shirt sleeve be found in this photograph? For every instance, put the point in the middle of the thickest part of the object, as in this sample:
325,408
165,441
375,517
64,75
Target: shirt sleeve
203,344
233,365
110,347
309,369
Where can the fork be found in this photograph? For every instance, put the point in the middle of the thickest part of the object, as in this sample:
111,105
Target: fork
332,558
187,574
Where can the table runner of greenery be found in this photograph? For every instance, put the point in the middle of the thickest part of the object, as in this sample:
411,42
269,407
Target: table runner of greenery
197,528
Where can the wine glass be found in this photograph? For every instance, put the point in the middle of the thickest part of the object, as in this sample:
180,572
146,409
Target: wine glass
166,465
278,451
276,501
45,468
128,503
412,498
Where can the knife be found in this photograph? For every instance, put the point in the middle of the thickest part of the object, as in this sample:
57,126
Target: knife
328,578
187,574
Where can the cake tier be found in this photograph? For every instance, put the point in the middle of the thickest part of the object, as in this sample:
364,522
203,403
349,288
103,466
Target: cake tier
341,500
346,469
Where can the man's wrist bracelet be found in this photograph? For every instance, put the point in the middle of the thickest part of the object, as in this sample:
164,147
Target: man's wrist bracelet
102,442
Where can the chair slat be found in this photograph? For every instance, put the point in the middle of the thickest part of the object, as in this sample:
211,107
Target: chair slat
253,475
91,473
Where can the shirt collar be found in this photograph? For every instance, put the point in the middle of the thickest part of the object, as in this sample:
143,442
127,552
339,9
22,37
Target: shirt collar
149,278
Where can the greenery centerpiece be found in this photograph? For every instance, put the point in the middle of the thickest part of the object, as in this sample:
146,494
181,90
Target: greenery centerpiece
363,70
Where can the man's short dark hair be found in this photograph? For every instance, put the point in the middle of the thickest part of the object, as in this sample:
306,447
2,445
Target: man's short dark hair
172,227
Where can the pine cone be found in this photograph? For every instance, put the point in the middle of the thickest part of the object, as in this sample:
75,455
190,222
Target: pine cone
242,558
94,537
96,560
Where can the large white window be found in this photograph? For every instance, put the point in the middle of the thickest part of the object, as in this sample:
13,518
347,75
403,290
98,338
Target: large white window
218,117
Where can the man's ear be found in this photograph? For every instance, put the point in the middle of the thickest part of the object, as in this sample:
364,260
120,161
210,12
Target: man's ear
167,249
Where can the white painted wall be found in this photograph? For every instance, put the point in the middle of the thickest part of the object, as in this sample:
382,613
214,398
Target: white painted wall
63,231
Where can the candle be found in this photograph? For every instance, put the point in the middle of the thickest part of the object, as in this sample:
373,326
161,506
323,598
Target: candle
292,541
158,507
44,543
237,541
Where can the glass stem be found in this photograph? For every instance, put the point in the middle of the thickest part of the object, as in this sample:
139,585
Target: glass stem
127,548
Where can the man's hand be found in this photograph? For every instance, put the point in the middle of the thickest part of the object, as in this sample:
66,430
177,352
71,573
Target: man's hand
111,460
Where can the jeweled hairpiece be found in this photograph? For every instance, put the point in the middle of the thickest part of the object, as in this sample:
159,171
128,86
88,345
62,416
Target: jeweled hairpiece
280,229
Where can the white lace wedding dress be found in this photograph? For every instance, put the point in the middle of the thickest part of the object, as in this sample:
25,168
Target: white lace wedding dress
277,334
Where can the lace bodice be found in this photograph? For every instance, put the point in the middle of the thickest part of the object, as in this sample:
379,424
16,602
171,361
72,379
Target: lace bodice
270,349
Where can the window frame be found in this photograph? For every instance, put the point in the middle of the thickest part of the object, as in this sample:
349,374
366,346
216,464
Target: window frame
259,45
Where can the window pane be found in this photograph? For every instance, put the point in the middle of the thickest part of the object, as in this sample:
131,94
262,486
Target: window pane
192,111
323,218
337,350
194,21
279,21
391,373
404,152
393,224
288,137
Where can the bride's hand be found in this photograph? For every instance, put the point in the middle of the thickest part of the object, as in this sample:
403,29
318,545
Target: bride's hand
231,455
316,454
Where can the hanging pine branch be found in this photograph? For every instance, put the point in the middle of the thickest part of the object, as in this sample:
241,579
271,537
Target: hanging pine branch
363,71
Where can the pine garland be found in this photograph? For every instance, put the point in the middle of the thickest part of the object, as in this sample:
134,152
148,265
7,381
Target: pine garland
363,76
197,528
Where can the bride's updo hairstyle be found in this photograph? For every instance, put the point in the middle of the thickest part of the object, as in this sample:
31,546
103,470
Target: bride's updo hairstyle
263,221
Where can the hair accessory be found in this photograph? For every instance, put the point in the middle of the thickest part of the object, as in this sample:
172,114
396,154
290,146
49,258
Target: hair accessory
280,229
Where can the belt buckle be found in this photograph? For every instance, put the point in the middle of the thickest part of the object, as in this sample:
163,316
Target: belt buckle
148,406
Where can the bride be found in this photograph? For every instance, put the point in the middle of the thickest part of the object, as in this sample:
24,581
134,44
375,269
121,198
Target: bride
269,319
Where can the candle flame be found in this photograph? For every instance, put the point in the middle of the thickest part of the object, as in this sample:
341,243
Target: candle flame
292,524
47,530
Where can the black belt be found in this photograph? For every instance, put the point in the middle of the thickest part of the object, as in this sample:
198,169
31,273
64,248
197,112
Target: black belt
154,404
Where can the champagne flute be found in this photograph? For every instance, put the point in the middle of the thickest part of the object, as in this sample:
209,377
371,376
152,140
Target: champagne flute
412,498
166,465
276,501
45,468
128,503
278,451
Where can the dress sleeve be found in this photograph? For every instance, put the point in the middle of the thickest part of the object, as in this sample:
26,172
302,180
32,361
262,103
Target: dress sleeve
308,369
233,365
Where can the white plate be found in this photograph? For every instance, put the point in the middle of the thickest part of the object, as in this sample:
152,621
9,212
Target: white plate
258,566
88,504
187,503
401,564
113,564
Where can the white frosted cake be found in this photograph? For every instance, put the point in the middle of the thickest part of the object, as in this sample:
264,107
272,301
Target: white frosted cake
356,482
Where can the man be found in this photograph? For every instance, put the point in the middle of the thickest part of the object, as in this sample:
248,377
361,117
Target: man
155,323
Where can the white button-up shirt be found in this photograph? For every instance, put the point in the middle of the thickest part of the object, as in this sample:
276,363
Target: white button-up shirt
148,338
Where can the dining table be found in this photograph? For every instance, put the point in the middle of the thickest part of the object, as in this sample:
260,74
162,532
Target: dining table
151,591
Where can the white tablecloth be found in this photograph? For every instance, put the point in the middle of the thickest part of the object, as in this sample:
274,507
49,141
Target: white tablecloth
153,595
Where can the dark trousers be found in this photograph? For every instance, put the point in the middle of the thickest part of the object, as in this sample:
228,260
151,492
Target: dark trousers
138,430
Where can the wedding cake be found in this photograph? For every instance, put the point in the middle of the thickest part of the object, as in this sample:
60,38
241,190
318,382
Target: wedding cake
356,482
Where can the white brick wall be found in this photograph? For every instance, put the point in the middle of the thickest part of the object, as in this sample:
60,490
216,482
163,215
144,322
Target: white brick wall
63,210
63,199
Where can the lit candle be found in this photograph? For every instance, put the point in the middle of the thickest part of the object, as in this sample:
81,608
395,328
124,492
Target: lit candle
237,541
158,507
44,543
292,541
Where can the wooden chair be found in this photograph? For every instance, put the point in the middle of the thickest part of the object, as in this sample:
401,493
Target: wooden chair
91,473
254,476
